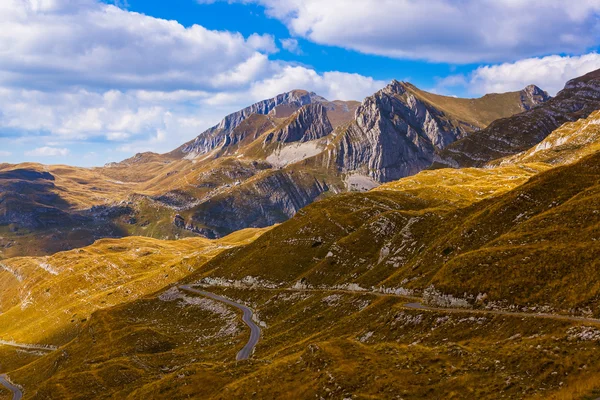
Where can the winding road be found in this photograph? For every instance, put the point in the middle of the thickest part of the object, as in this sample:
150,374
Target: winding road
419,306
16,392
246,352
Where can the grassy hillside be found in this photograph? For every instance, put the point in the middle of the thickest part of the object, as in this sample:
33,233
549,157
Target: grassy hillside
479,112
46,300
567,144
328,287
315,344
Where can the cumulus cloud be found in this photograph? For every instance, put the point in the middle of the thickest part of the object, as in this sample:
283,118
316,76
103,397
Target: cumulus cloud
291,45
445,30
5,153
550,73
83,42
83,71
47,152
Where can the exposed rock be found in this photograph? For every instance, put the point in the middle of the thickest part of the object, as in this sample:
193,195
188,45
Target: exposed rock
509,136
395,134
532,96
308,123
263,202
179,221
219,134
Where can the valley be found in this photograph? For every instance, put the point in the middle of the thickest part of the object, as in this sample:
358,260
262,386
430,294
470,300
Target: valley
305,248
257,168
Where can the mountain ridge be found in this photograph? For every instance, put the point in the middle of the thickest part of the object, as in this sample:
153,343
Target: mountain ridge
509,136
259,166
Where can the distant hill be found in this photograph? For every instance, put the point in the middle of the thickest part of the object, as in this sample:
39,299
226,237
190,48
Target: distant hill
509,136
422,286
256,168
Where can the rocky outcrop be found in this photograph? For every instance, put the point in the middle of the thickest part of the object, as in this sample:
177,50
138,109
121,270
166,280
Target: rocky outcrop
532,96
395,134
308,123
180,223
263,202
518,133
219,135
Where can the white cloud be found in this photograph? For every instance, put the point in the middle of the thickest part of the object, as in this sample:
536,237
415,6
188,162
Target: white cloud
291,45
54,43
331,85
550,73
5,153
47,152
79,73
445,30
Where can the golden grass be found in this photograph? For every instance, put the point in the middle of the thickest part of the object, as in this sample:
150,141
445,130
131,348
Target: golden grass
149,348
466,186
479,112
46,300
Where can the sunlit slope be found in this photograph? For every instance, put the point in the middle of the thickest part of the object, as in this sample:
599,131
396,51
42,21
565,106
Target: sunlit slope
567,144
532,245
46,300
465,186
314,344
536,245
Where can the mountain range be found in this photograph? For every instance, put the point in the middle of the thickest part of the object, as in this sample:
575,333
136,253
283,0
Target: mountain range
256,168
409,246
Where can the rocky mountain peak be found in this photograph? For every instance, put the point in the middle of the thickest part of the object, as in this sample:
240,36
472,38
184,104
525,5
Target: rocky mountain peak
533,96
218,135
396,88
308,123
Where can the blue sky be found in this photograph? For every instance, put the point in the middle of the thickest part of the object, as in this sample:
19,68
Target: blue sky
251,18
86,82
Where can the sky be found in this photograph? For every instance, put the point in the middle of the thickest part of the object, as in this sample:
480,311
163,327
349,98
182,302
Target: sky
86,82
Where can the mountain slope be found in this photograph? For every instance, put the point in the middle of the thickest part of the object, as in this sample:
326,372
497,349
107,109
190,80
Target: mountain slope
327,287
258,167
567,144
506,137
45,300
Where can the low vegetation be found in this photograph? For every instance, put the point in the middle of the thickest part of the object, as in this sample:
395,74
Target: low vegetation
46,300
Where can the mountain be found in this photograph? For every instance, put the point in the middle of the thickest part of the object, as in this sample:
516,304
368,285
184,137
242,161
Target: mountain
256,168
569,143
506,137
397,131
280,106
483,251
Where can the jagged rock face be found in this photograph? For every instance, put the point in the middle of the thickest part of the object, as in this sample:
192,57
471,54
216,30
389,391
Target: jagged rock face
395,135
308,123
220,134
532,96
263,202
518,133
